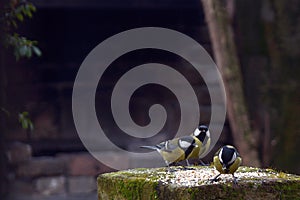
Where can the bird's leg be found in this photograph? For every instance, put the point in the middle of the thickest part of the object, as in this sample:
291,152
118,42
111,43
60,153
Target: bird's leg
188,166
215,179
187,162
202,163
167,163
170,170
169,167
234,179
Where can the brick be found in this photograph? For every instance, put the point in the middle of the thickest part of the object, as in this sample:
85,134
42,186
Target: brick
41,166
21,187
45,122
112,158
51,185
84,164
81,184
19,152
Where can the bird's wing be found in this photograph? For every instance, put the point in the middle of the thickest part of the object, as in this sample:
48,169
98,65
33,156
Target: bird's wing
217,164
169,146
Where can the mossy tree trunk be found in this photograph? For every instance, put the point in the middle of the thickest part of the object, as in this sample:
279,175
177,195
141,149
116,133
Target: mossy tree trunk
226,57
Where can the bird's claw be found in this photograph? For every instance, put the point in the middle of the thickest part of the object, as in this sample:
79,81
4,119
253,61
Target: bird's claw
188,168
235,182
202,163
216,178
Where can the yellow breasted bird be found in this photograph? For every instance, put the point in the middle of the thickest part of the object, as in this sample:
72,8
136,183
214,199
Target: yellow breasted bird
227,160
175,150
184,148
203,134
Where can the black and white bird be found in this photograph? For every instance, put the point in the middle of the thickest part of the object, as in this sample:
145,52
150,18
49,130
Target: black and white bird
203,134
227,160
184,148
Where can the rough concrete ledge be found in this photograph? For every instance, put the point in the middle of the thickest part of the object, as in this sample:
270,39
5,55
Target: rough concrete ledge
158,183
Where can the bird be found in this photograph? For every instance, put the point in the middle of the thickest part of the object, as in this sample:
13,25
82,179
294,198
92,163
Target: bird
175,150
185,147
203,134
227,160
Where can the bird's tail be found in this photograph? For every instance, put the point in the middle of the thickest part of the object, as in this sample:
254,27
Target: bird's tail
150,147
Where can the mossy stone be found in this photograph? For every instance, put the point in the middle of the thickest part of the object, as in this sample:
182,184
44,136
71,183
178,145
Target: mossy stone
159,183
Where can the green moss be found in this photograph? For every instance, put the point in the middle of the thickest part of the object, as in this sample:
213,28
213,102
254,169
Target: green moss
117,186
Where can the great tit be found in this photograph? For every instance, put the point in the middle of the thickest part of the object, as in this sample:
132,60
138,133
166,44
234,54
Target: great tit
175,150
184,148
203,135
227,160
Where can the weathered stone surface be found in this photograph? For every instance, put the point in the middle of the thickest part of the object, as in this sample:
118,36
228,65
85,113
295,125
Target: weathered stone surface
18,152
41,166
81,184
51,185
159,183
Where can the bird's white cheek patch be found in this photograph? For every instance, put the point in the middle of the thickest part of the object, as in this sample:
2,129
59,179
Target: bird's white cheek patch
197,132
166,144
220,156
208,134
184,144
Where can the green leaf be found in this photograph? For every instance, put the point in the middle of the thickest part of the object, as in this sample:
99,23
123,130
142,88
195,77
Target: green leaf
23,50
14,23
31,7
25,121
19,16
25,114
24,124
29,14
27,11
36,50
29,53
31,127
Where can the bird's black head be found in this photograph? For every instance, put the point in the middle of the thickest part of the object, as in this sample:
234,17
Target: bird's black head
201,132
203,128
187,143
227,155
